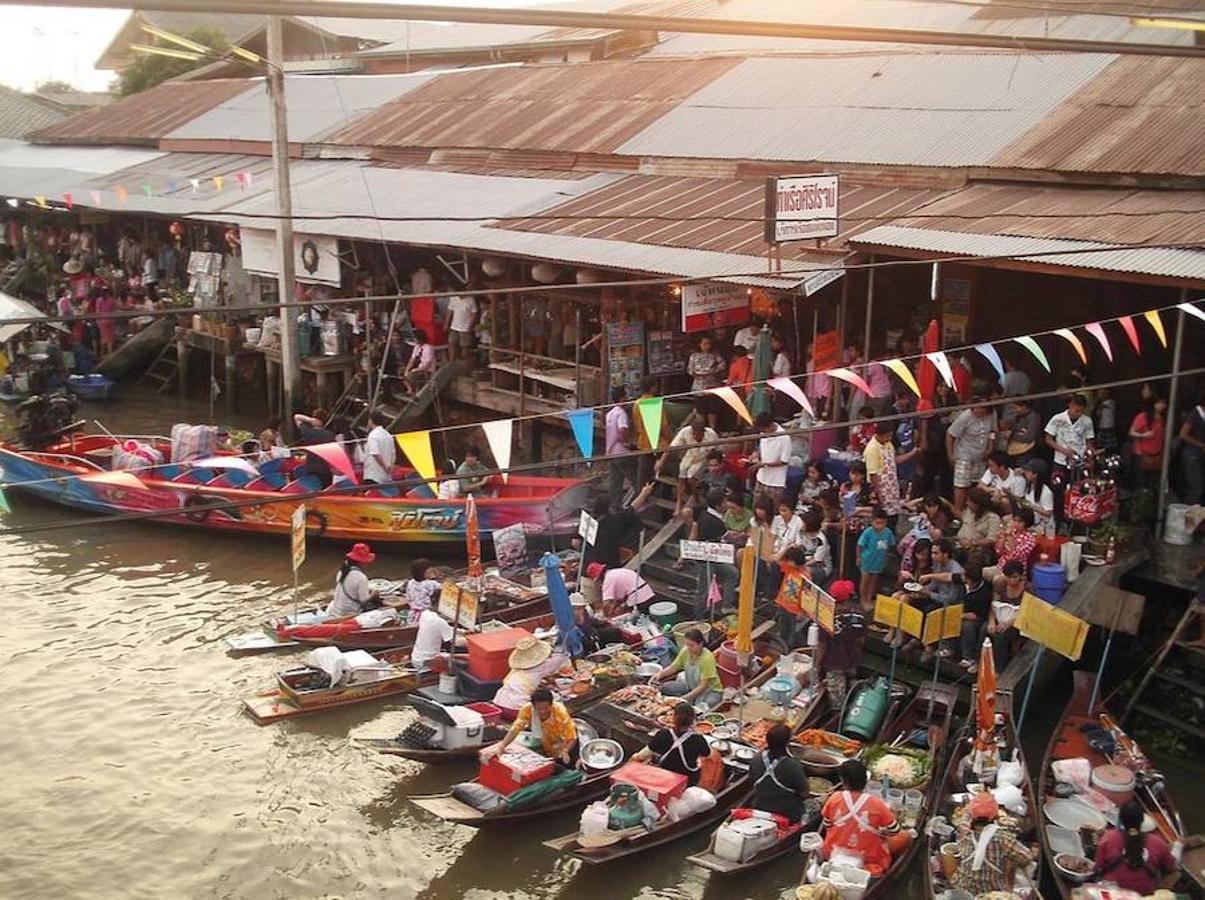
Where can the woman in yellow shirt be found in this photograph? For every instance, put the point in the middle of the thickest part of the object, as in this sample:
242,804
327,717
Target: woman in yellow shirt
549,722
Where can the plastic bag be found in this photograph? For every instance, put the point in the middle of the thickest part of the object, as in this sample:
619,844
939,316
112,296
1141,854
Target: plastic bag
594,820
478,796
1076,771
697,799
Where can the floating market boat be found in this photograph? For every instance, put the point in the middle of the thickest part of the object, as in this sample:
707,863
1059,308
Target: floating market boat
226,492
332,679
1117,771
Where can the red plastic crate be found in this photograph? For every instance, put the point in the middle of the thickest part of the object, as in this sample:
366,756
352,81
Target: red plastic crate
490,713
1081,506
515,769
659,785
489,651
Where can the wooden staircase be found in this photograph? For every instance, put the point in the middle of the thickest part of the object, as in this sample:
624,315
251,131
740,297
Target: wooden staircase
13,274
407,409
163,372
1177,668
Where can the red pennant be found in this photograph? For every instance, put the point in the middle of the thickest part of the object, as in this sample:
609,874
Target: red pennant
1127,324
70,201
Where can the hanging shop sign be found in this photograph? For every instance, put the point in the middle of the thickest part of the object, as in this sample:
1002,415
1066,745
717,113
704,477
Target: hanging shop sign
801,207
625,355
668,352
711,305
315,256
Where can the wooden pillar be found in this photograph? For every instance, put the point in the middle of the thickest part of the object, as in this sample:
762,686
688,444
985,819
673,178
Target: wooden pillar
182,373
272,376
231,382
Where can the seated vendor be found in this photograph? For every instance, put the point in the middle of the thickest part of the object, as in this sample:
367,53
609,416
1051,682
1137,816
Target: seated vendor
549,723
592,633
1132,859
352,594
473,476
530,663
780,784
622,589
700,682
860,825
988,856
680,749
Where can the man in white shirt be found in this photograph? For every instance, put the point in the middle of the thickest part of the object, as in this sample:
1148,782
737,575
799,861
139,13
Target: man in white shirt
1070,433
773,456
1000,478
619,441
747,336
380,451
781,366
461,317
433,632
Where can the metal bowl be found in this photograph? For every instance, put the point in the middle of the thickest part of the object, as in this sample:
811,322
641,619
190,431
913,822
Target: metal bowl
743,753
585,732
816,760
1064,861
601,754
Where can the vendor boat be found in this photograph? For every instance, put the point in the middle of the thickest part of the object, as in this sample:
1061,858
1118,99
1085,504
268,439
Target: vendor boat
226,492
333,679
957,774
1093,735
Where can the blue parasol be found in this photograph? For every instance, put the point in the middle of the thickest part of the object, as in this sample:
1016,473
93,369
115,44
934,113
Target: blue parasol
558,594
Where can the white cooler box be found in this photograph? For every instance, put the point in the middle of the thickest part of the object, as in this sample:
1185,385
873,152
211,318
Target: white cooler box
738,841
851,882
453,726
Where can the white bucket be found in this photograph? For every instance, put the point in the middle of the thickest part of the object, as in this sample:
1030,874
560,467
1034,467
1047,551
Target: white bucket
1175,525
447,683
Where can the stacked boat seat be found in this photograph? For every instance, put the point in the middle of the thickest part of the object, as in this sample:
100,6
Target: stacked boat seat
232,478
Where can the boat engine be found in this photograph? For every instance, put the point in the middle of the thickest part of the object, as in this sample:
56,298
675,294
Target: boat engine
45,418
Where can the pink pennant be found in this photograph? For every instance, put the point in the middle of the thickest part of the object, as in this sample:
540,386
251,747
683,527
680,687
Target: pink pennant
95,195
334,456
714,597
69,200
733,399
792,390
1127,323
1097,331
1070,337
856,380
116,479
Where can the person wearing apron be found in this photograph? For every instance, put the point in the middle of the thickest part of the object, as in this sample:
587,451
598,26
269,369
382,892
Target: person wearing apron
988,858
700,682
860,826
780,784
680,749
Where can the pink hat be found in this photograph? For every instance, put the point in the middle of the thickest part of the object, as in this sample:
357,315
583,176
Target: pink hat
361,554
595,571
841,590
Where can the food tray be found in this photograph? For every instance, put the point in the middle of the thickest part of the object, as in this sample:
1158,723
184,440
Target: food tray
1064,840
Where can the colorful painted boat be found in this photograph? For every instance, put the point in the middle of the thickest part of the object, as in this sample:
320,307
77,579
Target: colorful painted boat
236,497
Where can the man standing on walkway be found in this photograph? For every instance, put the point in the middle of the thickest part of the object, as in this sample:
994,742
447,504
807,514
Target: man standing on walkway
380,452
461,317
619,444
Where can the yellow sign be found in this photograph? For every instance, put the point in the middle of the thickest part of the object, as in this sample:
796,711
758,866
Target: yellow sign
942,624
900,614
1052,627
298,532
453,597
826,611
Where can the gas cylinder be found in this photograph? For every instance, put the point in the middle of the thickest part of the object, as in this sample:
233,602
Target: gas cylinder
866,710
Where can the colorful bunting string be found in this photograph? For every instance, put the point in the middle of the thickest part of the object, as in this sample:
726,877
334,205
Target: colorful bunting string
1098,331
733,399
1152,316
1070,337
901,370
791,389
988,352
1034,348
416,445
499,434
942,364
1127,325
582,423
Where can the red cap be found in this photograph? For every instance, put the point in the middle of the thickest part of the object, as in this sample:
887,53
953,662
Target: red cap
984,806
595,571
841,590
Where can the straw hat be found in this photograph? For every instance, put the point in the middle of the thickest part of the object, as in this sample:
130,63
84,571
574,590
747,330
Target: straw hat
528,653
578,599
73,266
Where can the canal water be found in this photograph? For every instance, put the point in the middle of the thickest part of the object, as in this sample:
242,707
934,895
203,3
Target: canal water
130,771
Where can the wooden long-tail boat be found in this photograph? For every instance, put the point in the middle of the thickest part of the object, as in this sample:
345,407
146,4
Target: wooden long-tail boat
1070,741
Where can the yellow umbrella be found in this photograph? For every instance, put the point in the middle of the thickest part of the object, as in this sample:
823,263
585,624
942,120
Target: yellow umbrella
744,606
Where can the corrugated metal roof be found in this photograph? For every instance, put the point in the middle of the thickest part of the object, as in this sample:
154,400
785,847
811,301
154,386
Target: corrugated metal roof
20,115
707,214
145,117
932,110
28,171
1140,115
1159,261
584,107
317,105
1108,215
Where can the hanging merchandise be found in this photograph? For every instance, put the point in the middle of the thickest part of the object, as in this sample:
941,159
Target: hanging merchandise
416,445
625,355
1152,316
582,423
1127,325
1070,337
988,352
1033,347
499,434
1097,331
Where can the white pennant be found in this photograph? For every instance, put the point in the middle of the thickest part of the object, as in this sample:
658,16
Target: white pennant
499,433
939,359
196,184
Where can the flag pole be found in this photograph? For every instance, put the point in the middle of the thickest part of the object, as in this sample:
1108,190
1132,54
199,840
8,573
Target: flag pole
1037,661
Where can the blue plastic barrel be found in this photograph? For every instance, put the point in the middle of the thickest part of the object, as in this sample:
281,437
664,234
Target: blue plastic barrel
1049,582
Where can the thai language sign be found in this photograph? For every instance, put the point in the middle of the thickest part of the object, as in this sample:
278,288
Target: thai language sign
711,305
801,207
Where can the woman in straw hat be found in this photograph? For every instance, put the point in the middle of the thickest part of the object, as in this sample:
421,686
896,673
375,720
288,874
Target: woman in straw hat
550,725
530,663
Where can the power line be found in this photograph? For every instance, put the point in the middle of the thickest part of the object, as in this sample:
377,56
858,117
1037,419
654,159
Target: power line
782,275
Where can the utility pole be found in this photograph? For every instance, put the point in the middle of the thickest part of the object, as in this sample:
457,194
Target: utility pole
290,358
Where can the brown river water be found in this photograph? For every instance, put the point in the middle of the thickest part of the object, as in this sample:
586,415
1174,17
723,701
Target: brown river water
130,771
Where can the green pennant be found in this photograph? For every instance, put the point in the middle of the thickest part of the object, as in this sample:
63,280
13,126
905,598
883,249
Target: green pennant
649,409
4,507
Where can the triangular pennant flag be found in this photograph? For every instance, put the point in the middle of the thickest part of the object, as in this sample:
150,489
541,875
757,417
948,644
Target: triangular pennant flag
243,179
900,368
95,195
1127,325
498,434
1192,310
69,200
938,358
850,378
785,385
196,184
733,399
1033,347
649,409
171,186
40,201
1097,331
1152,316
121,193
988,352
4,507
714,597
416,445
582,423
218,181
1070,337
146,189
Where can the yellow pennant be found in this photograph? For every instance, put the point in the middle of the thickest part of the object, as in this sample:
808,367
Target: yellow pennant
416,445
1152,316
900,368
218,181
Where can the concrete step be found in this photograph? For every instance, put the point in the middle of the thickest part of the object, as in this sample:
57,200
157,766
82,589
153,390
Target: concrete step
665,572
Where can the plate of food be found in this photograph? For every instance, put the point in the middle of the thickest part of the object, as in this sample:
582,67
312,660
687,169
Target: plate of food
905,767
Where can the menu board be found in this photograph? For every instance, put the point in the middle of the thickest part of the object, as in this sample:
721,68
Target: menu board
625,355
896,613
1052,627
668,352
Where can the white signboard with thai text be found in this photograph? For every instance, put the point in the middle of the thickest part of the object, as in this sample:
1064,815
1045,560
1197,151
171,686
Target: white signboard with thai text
801,207
707,551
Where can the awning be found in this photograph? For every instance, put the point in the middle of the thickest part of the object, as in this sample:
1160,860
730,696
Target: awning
15,308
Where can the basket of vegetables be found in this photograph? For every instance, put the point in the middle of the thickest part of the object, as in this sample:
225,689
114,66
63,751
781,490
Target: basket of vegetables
903,766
